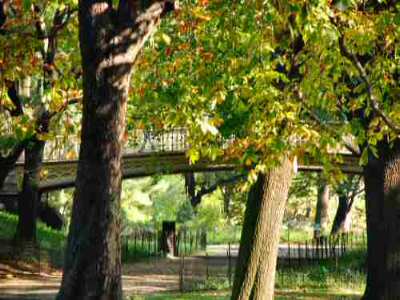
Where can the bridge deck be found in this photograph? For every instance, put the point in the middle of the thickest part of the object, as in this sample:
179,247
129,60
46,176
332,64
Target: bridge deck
149,153
59,175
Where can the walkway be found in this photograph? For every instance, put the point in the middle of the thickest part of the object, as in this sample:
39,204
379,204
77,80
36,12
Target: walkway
149,276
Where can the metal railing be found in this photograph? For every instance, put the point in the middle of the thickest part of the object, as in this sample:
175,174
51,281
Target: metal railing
139,141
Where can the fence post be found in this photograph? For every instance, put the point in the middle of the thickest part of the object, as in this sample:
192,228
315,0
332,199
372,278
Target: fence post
229,264
299,254
207,266
149,243
126,249
181,274
142,243
306,252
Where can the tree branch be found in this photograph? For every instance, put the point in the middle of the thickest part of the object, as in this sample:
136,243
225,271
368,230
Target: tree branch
3,15
207,190
12,93
136,11
355,151
365,78
65,106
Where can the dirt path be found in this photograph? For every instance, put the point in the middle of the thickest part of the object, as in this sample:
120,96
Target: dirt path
146,277
150,276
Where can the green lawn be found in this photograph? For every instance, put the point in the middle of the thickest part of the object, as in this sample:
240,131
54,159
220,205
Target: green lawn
47,237
280,294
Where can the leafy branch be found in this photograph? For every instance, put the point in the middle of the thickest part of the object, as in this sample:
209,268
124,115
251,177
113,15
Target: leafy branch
373,99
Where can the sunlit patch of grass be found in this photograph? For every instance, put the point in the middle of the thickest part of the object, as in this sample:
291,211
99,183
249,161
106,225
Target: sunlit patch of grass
206,295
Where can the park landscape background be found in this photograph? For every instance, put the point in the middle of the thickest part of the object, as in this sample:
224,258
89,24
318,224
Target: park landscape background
286,114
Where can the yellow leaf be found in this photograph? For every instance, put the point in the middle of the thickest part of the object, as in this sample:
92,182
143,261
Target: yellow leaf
166,39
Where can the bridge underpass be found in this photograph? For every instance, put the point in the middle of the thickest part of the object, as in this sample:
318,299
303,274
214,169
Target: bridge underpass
146,155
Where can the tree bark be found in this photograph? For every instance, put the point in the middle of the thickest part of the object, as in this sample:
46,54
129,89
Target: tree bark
322,210
255,270
168,238
190,186
382,186
342,220
29,197
110,41
8,163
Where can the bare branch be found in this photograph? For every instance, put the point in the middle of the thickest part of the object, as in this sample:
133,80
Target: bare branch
207,190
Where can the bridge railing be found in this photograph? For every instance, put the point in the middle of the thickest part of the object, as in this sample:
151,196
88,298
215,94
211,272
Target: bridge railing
139,141
149,141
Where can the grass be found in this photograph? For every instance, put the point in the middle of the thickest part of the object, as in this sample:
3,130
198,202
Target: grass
324,280
231,234
47,237
52,242
279,295
295,235
208,295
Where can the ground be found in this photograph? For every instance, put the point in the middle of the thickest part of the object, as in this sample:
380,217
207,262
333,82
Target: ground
155,279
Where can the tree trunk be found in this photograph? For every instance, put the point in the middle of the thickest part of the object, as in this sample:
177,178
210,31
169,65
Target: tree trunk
228,194
29,197
382,187
322,210
190,186
110,41
255,270
342,220
168,238
8,163
50,216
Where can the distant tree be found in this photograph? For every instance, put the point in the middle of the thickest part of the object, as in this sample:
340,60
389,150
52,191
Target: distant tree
322,209
30,77
347,193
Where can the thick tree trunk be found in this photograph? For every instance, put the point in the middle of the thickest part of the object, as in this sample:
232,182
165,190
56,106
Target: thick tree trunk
322,210
110,41
382,186
29,197
342,220
255,270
